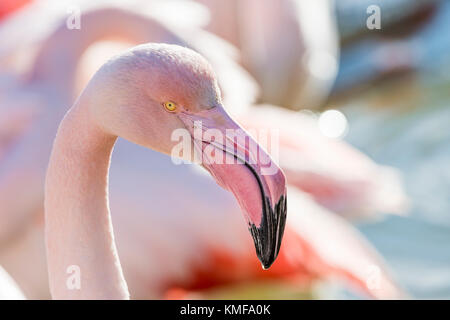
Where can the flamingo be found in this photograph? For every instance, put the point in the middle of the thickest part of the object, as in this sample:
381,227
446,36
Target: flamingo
134,248
144,95
290,46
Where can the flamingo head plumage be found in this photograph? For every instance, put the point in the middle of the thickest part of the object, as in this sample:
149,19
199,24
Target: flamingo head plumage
156,95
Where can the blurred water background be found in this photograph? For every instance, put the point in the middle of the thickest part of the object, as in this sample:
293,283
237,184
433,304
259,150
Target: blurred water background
400,117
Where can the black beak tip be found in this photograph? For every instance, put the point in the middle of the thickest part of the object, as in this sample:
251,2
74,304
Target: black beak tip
267,237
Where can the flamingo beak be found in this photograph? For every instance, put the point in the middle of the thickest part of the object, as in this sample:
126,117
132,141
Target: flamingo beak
240,165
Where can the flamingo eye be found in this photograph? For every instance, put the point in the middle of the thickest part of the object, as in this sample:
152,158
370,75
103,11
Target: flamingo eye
170,106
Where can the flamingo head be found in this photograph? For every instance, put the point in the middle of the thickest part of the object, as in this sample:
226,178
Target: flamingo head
166,97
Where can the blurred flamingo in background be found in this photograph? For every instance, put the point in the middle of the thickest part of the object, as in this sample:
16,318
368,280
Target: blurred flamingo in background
291,47
130,177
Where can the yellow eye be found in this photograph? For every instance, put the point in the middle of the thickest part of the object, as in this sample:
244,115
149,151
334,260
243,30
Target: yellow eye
170,106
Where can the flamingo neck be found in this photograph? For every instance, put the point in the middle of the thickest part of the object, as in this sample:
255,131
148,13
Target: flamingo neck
79,234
